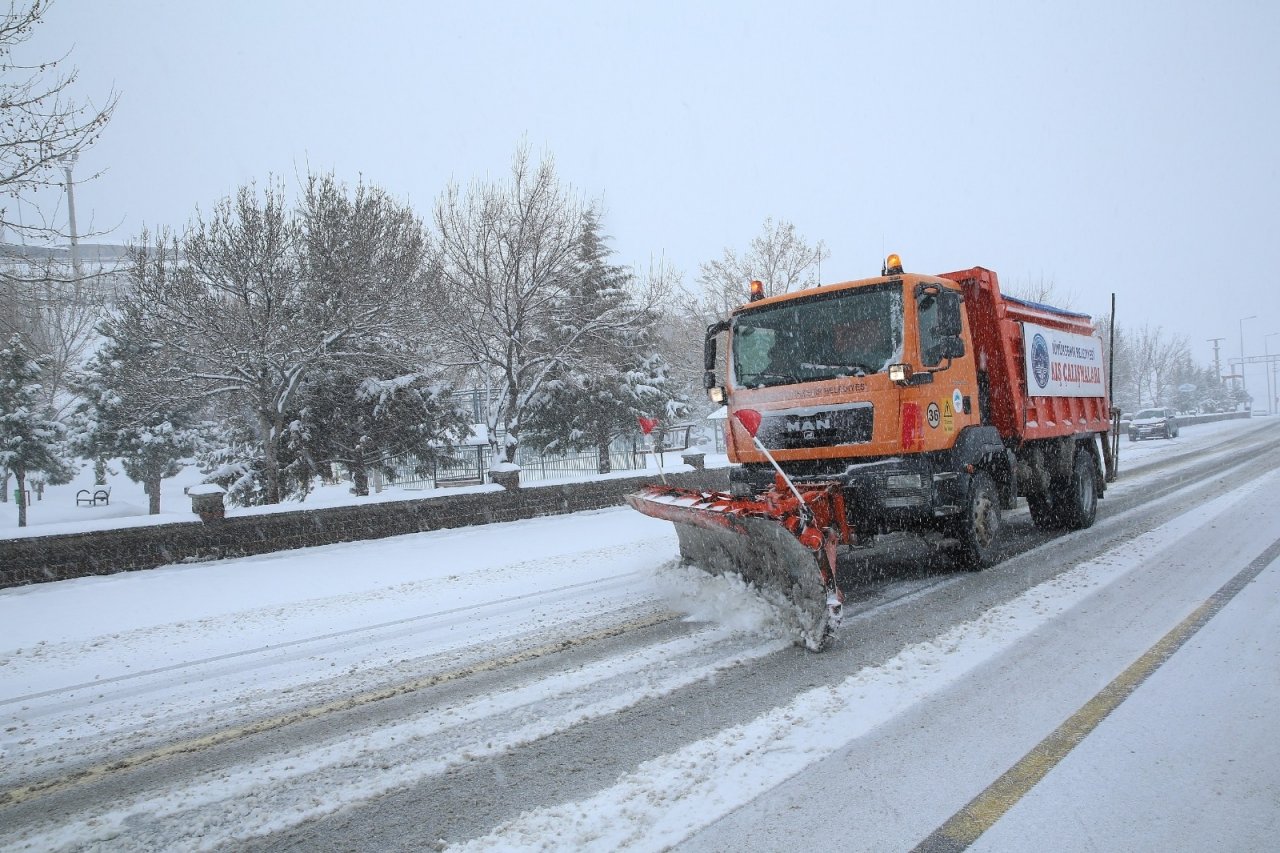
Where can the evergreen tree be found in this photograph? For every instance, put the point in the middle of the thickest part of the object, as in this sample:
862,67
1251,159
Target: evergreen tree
581,410
131,408
616,377
30,442
363,423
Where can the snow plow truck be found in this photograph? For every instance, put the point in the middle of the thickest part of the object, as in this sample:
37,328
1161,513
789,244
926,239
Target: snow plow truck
901,403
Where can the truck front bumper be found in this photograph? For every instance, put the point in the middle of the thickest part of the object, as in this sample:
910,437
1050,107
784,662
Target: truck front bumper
895,493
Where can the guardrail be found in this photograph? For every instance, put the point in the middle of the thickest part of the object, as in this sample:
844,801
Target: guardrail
1185,420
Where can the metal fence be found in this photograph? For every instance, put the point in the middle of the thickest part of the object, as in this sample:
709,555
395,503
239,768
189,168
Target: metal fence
470,465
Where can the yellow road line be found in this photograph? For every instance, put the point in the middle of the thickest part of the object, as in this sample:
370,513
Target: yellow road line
24,793
981,813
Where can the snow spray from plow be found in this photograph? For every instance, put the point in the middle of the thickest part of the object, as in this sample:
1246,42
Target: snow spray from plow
782,541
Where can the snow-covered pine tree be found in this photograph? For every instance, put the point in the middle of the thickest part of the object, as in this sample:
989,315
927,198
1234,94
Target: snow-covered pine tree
614,377
133,407
30,441
355,419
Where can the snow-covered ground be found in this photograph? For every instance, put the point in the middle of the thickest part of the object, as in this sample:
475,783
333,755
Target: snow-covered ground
58,511
138,667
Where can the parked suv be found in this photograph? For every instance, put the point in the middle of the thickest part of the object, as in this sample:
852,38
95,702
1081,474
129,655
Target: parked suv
1150,423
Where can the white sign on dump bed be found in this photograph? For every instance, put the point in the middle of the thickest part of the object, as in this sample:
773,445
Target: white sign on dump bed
1062,364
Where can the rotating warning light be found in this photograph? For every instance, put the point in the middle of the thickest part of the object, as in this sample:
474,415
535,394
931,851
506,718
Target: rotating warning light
757,290
893,265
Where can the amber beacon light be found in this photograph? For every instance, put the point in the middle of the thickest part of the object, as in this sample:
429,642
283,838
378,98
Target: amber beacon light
757,290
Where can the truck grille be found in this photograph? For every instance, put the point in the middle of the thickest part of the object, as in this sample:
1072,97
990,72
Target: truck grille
799,428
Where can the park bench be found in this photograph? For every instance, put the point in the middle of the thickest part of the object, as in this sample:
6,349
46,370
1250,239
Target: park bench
98,497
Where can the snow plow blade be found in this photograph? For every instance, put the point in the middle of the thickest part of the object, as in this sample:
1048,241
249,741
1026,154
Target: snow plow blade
777,543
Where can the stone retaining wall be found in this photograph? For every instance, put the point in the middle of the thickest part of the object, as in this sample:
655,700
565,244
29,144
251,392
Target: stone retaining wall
50,558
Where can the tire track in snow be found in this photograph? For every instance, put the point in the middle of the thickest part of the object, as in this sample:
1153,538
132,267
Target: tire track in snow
281,786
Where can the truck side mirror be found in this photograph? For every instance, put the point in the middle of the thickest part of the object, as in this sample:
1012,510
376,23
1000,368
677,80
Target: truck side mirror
709,344
709,354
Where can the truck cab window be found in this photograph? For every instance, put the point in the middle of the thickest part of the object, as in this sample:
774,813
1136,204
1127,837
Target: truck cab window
937,313
850,333
927,315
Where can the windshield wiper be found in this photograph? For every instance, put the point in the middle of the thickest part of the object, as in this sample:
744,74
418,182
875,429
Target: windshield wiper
786,378
862,369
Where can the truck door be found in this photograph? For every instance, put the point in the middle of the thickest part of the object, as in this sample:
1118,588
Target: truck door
952,398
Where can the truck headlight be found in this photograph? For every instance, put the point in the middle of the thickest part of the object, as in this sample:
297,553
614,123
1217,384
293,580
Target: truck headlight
905,481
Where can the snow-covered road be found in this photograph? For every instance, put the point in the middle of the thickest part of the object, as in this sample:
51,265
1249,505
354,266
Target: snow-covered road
561,683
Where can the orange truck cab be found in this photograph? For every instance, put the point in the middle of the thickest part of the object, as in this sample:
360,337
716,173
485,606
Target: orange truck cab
911,391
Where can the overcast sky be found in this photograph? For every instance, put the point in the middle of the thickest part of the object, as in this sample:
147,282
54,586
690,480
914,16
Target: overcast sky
1106,147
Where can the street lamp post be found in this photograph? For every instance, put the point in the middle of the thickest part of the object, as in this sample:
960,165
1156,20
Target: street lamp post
1244,385
1270,373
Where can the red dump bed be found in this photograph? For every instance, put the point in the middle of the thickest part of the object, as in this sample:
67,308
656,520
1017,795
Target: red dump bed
1045,366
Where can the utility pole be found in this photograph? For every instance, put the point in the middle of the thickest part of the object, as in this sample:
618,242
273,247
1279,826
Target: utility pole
1244,385
1269,370
1217,366
68,163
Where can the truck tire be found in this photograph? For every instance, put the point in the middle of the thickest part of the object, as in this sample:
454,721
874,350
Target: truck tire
1042,512
979,524
1080,502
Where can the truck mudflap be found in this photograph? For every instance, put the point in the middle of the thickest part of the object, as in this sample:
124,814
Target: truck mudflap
783,545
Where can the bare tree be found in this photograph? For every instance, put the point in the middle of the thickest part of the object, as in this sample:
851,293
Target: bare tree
51,303
510,271
779,257
43,126
55,312
1119,356
255,297
680,332
1157,358
1042,290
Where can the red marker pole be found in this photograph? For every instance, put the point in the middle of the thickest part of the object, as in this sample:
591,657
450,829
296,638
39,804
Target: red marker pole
646,426
750,420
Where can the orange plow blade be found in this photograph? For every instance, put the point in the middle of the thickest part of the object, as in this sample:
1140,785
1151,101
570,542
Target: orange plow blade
775,542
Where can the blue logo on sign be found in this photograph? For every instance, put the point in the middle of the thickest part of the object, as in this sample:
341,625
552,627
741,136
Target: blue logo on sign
1040,360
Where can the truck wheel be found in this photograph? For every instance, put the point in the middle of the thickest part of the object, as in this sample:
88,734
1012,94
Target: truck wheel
1042,512
979,524
1080,503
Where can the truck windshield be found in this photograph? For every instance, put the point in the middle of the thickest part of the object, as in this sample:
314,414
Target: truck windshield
845,333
